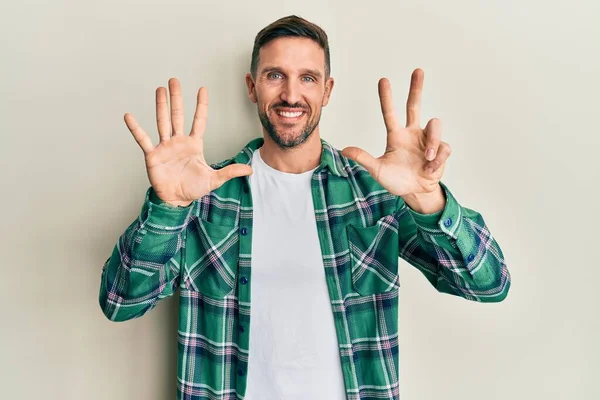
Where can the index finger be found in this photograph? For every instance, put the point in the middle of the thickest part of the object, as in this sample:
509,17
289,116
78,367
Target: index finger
163,120
413,103
201,114
387,105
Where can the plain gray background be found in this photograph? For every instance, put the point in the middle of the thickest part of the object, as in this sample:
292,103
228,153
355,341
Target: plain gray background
515,84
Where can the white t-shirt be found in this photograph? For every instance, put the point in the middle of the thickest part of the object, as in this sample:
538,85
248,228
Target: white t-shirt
293,346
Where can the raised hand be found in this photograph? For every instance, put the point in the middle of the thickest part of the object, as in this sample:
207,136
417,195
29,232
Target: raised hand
414,158
176,167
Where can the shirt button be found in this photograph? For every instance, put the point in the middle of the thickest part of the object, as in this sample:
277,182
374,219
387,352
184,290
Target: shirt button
448,222
244,280
245,189
471,257
244,231
240,372
241,329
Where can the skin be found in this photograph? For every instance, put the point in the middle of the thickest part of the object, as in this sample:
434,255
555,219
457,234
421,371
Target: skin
414,159
290,77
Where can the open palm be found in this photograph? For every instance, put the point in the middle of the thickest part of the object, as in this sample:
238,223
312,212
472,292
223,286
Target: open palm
176,167
414,158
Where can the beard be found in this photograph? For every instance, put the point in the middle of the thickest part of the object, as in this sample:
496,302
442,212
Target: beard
300,133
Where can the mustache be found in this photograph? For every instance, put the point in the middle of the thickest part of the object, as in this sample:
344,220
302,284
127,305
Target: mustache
285,104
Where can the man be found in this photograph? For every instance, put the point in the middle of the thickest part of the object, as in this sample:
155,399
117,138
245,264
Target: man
287,254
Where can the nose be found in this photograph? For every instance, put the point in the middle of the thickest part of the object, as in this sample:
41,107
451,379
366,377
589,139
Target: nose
291,92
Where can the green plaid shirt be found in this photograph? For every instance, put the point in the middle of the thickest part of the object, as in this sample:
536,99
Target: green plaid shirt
205,251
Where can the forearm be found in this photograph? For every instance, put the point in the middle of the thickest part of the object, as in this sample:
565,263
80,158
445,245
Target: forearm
145,262
457,253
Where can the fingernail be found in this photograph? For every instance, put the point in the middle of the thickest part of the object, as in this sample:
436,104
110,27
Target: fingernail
430,155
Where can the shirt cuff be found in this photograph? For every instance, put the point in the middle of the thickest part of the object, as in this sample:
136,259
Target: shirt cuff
446,220
162,216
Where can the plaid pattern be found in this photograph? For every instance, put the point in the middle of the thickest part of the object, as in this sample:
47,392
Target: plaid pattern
204,250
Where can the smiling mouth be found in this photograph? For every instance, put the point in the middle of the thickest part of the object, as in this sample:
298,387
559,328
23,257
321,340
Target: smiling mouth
290,116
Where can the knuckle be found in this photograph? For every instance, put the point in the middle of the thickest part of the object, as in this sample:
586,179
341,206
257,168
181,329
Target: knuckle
435,124
447,148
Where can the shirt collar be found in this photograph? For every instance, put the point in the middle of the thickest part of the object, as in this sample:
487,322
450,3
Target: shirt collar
331,158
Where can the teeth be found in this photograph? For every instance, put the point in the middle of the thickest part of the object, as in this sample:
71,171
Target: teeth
290,114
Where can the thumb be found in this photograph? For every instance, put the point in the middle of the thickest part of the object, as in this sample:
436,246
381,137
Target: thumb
230,172
370,163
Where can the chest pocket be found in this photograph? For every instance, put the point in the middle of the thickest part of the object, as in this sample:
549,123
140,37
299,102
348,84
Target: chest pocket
374,256
212,253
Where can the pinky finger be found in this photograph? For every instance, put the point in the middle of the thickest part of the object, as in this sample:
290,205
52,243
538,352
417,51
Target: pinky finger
441,157
138,133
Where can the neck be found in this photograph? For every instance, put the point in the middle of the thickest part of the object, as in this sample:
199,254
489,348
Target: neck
295,160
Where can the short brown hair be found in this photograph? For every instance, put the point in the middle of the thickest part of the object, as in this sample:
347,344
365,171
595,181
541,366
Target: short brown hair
290,26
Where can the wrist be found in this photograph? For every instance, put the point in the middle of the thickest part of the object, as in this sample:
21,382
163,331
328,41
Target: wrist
182,204
426,203
173,204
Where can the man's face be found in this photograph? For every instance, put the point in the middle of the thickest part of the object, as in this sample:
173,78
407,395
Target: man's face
289,89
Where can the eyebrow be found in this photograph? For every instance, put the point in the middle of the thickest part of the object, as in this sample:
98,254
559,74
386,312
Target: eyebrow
303,71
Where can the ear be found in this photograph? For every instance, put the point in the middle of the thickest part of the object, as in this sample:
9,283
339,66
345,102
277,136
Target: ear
328,88
251,87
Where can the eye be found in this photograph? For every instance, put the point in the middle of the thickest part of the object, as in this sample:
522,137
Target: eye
308,79
274,75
